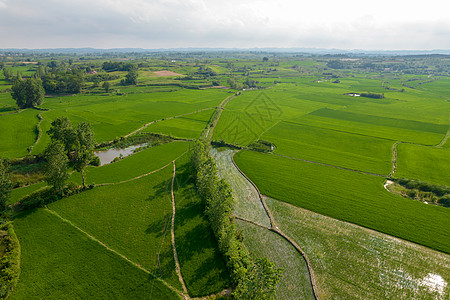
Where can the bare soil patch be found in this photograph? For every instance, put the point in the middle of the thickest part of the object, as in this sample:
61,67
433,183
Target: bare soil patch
166,73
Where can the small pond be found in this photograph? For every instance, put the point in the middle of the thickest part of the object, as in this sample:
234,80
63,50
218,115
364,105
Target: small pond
107,156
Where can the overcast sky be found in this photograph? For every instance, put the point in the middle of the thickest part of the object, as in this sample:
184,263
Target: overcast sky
343,24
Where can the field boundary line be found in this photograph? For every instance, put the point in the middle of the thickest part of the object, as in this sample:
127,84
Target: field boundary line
328,165
446,137
172,232
343,131
112,250
274,228
143,175
276,123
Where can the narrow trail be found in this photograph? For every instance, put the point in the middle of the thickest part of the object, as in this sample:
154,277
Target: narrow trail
273,227
114,251
446,137
39,133
394,158
331,166
172,232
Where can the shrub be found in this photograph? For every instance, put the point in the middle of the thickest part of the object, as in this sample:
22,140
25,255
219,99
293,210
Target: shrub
10,259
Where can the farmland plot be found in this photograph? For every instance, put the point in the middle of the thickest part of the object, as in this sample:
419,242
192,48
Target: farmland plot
58,261
423,163
351,262
332,147
348,196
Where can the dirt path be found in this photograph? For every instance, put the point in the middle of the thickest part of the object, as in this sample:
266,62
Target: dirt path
394,158
114,251
172,232
39,133
273,227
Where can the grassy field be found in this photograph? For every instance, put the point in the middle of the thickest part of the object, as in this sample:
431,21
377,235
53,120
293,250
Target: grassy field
202,265
423,163
135,165
389,128
132,218
115,116
351,262
331,147
18,132
348,196
60,262
19,193
189,126
295,282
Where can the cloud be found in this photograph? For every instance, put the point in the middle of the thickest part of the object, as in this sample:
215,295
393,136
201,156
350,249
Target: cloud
212,23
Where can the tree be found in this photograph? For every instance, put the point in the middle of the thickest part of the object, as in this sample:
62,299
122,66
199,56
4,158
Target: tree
63,132
9,75
259,282
265,59
84,148
28,93
56,165
131,77
107,86
5,183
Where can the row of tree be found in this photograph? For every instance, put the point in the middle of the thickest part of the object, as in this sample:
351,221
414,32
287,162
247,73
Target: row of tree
254,279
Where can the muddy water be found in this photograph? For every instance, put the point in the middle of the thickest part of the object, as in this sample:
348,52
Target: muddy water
107,156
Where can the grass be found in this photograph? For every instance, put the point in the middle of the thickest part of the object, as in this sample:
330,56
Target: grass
18,132
135,165
348,196
60,262
332,147
295,282
189,126
19,193
114,116
202,265
132,218
423,163
351,262
389,128
248,204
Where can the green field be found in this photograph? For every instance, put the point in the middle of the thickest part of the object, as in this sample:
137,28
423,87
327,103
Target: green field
133,218
424,163
348,196
202,265
116,116
189,126
351,262
332,155
342,149
18,132
138,164
60,262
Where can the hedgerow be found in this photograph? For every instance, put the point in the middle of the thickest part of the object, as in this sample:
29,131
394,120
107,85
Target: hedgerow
250,277
9,259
